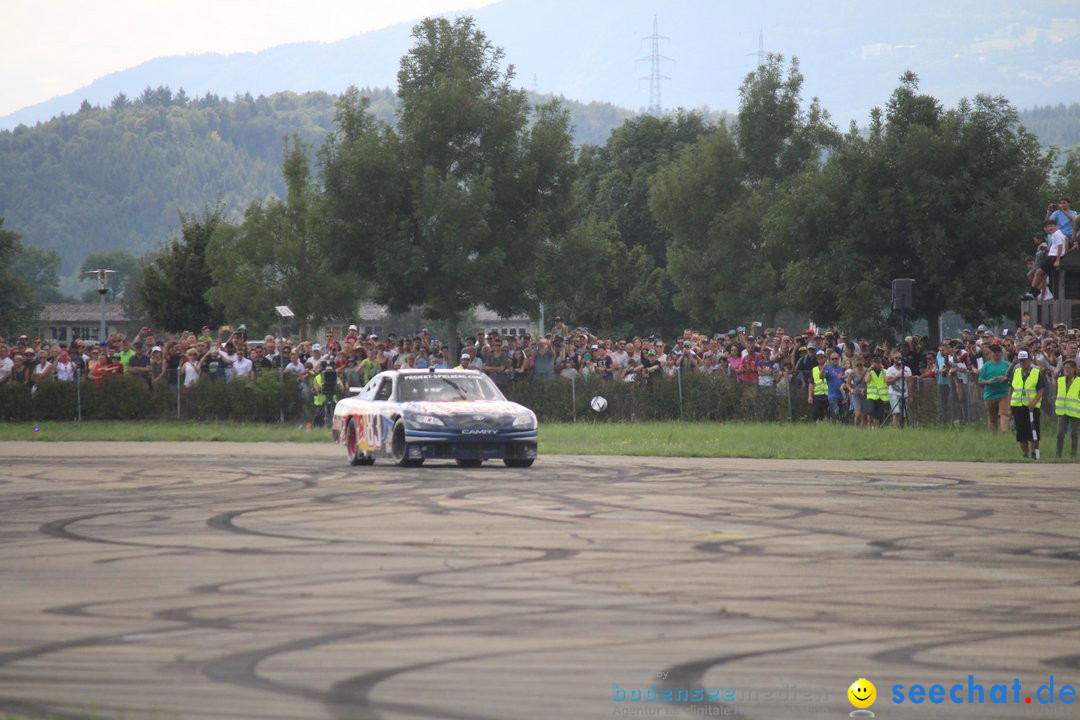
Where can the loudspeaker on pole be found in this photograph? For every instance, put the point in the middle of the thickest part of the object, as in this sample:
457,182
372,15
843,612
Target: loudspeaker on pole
901,293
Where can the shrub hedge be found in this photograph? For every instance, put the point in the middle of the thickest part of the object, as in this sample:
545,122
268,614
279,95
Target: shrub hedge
704,398
129,398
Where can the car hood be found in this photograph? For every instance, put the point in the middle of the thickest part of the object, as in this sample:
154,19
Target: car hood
463,408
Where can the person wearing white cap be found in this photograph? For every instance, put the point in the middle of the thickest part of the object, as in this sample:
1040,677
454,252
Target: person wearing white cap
901,385
315,362
1028,386
466,358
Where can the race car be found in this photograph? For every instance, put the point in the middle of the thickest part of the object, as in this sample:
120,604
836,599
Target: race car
415,415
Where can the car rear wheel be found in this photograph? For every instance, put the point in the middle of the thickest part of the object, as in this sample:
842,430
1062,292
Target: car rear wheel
399,449
470,462
352,446
519,462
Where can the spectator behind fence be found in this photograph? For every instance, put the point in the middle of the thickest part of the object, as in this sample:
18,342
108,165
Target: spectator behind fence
191,369
65,368
900,381
818,390
242,367
6,364
544,361
138,364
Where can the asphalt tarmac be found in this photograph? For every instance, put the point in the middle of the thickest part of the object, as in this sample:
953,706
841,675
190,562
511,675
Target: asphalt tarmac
215,580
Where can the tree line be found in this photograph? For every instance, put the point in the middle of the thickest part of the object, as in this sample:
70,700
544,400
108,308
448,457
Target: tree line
470,193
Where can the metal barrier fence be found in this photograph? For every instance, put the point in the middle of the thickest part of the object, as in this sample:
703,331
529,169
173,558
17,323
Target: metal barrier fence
689,396
264,399
693,396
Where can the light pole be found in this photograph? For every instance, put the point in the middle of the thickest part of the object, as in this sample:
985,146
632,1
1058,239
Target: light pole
103,289
283,312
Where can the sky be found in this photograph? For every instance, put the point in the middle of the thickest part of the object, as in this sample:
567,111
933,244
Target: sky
53,47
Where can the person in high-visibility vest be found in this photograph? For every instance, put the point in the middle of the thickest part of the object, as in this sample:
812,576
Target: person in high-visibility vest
323,390
1067,405
818,391
877,390
1028,387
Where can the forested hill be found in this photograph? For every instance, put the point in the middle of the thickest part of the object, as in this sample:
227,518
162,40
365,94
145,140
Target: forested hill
114,178
1057,125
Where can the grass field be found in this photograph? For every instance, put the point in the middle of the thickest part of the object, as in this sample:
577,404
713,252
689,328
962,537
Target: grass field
782,440
161,431
760,440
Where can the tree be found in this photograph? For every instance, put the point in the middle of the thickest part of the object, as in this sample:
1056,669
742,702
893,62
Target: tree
725,258
40,268
594,279
612,186
944,197
174,284
17,306
122,284
1068,176
280,255
701,199
464,193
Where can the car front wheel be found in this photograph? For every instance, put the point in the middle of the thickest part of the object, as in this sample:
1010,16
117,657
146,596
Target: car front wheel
399,449
519,462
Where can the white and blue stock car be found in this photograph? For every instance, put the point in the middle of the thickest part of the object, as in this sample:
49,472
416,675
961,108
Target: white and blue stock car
415,415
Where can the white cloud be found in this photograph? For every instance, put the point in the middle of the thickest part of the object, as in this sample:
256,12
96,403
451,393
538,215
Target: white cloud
876,50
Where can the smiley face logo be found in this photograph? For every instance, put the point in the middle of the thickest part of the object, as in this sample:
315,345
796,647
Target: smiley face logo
862,693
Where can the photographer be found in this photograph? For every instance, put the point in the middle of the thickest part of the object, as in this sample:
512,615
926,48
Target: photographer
324,390
901,385
1065,218
214,363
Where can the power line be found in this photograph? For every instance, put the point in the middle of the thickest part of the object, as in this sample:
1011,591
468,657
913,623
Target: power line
760,49
654,67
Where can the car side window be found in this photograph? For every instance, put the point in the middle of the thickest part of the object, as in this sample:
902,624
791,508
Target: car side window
385,389
367,391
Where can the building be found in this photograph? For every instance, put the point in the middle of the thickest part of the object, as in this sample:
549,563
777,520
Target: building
1065,307
374,319
64,322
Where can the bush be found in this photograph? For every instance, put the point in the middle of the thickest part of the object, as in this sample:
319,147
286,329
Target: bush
703,398
129,398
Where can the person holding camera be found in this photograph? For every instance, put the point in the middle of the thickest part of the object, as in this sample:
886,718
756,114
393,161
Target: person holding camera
324,389
214,363
901,384
1065,218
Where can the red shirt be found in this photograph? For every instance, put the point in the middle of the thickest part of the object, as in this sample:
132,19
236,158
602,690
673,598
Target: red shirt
748,366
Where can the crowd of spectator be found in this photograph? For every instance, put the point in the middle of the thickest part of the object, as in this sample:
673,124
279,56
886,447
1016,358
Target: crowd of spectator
842,378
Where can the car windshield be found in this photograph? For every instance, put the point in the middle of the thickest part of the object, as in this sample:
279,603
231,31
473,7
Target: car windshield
447,388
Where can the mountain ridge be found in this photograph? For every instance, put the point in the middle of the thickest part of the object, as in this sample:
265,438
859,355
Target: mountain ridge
851,55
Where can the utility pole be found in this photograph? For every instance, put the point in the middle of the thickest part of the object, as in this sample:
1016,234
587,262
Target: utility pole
103,289
760,49
655,106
